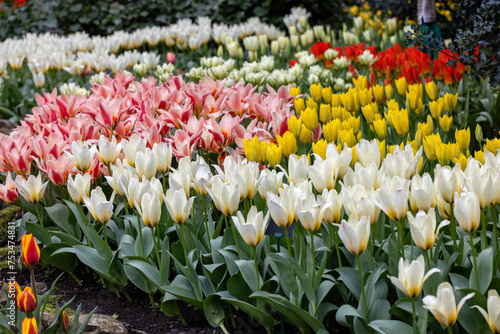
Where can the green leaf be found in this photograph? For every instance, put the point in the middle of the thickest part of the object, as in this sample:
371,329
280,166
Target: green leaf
345,311
238,287
380,310
182,289
41,233
150,271
390,326
213,308
59,214
137,278
262,317
297,316
247,269
98,243
350,277
484,271
63,261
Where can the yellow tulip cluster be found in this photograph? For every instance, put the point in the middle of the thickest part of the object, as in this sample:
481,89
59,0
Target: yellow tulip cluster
263,152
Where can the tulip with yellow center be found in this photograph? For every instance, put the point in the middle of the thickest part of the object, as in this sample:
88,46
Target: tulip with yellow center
368,152
411,276
294,125
81,155
402,162
29,326
79,187
431,90
97,204
325,113
163,154
331,215
445,122
288,143
380,127
422,193
402,86
357,202
311,213
297,169
145,164
108,150
355,234
462,138
131,146
423,228
493,314
251,229
315,90
299,105
378,92
178,205
331,130
393,197
448,181
226,196
32,189
443,306
467,211
269,181
150,209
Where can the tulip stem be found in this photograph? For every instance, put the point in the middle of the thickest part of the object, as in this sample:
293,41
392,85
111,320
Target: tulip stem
288,243
256,267
233,228
38,215
156,245
370,248
428,258
313,257
474,259
449,330
336,236
33,283
414,314
484,239
140,232
184,245
401,239
362,287
105,234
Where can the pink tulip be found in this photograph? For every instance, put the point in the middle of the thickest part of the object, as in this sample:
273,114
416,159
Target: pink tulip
8,191
170,58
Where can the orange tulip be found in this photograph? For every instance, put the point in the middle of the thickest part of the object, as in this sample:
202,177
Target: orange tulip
26,301
66,322
30,251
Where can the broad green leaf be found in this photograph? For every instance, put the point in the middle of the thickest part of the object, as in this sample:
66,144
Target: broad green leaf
63,261
262,317
59,214
39,232
150,271
213,308
137,278
390,327
484,271
350,277
183,290
345,311
247,269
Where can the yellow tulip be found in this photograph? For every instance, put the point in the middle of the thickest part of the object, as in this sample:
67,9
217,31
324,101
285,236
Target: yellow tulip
294,91
274,154
369,112
479,156
320,148
461,160
305,135
436,108
378,92
463,138
413,98
381,148
365,97
294,125
355,124
445,122
392,105
446,152
347,137
348,101
431,143
287,143
492,145
400,121
315,90
331,130
326,93
402,86
450,101
325,113
311,103
263,152
380,127
361,82
431,90
252,149
310,118
299,105
389,91
420,108
336,102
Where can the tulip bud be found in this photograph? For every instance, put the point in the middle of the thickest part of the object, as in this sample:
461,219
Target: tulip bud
170,58
463,138
29,326
66,322
30,251
26,301
299,105
479,134
431,90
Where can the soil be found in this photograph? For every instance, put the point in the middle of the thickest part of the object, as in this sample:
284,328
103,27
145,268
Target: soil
137,315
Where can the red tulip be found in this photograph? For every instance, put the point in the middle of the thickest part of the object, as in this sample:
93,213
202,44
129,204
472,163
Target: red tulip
29,326
30,251
66,323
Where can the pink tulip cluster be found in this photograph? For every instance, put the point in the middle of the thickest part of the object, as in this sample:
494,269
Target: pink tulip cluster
190,116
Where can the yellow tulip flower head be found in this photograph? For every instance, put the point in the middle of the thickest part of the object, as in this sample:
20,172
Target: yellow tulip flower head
347,137
287,143
295,125
361,82
252,149
311,103
310,118
437,108
294,91
431,144
445,122
431,90
450,101
402,86
389,91
380,127
400,121
319,148
316,93
305,135
326,93
331,130
299,105
378,92
369,112
274,154
365,96
325,113
462,138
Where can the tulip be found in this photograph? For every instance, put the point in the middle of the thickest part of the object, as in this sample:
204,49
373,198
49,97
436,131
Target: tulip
287,143
163,154
294,91
380,127
66,322
365,97
369,111
181,179
431,90
247,179
29,326
98,206
493,314
30,251
178,205
131,146
226,196
368,152
282,207
355,234
393,197
32,189
436,108
108,150
378,93
389,91
326,93
8,191
431,144
316,92
120,178
448,181
411,276
299,105
443,307
145,164
81,155
445,122
331,130
79,187
310,118
467,211
252,149
423,228
149,209
319,148
305,135
325,113
422,193
252,229
357,201
399,120
26,301
311,213
463,138
361,82
201,176
450,102
294,125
